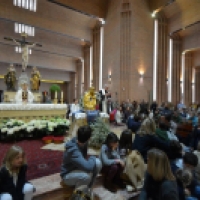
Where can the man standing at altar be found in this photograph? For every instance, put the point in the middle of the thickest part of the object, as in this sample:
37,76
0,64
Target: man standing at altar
24,95
104,96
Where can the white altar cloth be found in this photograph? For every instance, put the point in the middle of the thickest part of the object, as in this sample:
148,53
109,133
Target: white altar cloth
28,112
4,106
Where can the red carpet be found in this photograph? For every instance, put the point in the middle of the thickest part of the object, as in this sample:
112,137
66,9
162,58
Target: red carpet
40,162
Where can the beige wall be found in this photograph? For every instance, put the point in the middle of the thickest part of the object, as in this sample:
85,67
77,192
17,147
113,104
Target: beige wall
141,49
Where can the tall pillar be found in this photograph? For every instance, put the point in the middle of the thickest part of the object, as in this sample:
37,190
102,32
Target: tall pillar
161,86
125,50
176,70
98,54
71,88
87,66
170,75
79,77
193,85
197,84
188,79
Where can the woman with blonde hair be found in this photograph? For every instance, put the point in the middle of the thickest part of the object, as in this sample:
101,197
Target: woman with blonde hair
13,183
160,183
146,139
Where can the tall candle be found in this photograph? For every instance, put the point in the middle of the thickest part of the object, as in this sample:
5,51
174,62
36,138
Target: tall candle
62,95
55,94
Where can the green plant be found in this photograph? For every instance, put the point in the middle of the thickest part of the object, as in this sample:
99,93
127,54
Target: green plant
54,88
100,131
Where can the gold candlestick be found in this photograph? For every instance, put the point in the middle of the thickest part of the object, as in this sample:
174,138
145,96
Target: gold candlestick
61,100
55,101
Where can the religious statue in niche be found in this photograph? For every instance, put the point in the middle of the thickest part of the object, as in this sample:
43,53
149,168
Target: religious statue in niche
25,47
35,79
10,78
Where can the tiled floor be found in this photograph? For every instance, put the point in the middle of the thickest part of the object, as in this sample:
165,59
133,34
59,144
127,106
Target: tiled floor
49,187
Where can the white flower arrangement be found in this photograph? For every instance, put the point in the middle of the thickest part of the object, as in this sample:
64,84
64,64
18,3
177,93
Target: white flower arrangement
13,127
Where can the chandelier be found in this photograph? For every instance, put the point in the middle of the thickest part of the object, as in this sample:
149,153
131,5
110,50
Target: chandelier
22,28
26,4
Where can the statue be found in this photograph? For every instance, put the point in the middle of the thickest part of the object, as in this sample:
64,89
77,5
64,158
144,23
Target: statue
89,99
25,46
10,78
35,79
24,95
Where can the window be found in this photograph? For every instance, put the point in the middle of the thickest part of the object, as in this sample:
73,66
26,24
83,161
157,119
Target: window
22,28
19,50
26,4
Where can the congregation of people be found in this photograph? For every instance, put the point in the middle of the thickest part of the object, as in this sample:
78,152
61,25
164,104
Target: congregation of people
150,155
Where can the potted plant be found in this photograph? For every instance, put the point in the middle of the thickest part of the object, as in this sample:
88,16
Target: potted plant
54,88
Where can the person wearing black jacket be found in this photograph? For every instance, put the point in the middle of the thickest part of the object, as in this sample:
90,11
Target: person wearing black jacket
13,183
104,95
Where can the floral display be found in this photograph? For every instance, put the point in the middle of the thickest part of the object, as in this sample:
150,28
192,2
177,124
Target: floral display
17,129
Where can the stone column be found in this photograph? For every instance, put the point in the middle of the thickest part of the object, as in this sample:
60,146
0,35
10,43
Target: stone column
87,69
188,79
125,51
71,89
197,84
97,55
162,60
79,77
176,69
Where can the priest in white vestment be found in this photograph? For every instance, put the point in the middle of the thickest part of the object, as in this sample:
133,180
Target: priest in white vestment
24,95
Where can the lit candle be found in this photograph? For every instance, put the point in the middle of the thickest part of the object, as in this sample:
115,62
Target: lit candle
55,94
62,95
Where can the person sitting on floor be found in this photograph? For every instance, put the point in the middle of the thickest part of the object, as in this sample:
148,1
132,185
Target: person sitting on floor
145,139
113,166
76,169
183,178
13,183
189,161
197,169
160,183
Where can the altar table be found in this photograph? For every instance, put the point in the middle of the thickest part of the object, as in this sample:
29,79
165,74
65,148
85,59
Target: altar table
27,112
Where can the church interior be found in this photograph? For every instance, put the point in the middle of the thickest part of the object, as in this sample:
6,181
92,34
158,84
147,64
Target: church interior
113,64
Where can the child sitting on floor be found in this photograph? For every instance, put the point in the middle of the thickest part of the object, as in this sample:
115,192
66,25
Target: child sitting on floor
13,183
113,166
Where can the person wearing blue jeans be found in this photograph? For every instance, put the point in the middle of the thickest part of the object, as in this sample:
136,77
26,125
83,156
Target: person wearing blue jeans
77,169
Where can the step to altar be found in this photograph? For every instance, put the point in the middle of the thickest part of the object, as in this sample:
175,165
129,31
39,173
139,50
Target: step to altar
49,187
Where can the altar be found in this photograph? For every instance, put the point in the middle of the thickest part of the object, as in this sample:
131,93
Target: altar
27,112
10,97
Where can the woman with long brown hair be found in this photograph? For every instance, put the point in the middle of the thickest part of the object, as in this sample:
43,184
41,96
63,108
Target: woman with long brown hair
13,183
160,183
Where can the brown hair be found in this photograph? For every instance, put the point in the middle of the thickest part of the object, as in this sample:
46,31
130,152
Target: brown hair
148,127
11,155
158,165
